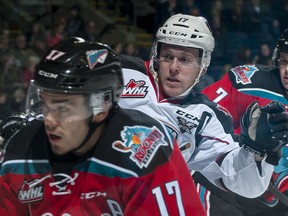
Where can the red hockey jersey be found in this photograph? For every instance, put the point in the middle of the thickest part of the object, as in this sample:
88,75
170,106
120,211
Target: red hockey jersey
117,177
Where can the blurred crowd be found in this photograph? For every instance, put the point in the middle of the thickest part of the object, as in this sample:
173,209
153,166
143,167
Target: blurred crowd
245,32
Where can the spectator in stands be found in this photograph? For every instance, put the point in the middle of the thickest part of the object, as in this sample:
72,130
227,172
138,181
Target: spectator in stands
258,20
216,20
195,11
188,5
11,69
130,49
35,32
75,23
117,47
282,15
40,47
234,16
28,72
243,56
90,33
3,103
204,6
217,8
36,38
264,55
21,49
56,34
168,8
16,103
5,48
275,28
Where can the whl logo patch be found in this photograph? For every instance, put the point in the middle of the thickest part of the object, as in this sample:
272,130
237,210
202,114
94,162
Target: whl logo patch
244,73
141,142
28,193
135,89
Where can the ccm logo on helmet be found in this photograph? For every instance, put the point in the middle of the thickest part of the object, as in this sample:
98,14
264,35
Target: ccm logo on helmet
46,74
177,33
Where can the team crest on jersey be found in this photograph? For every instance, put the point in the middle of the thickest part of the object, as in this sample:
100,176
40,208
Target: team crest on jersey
30,193
186,121
95,56
141,142
244,73
185,126
135,89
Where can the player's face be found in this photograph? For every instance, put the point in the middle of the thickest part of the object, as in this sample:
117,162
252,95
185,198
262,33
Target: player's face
283,68
178,68
65,120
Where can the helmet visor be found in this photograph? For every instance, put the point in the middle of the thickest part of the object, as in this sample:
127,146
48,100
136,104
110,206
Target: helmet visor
48,104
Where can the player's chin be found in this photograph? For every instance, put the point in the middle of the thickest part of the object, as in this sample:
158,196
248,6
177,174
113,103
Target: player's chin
171,94
172,91
285,84
57,150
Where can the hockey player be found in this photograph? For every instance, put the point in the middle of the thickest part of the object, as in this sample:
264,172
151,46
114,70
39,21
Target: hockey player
83,154
163,87
235,91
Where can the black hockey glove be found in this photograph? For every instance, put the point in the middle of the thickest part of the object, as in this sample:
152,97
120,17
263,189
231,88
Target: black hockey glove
264,130
12,124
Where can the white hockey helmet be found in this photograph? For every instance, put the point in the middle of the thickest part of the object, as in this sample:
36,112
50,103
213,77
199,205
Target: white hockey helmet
187,31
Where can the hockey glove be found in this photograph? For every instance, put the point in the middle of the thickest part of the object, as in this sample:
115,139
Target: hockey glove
264,130
12,124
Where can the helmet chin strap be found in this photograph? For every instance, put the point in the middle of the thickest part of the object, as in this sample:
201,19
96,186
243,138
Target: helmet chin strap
92,127
202,71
